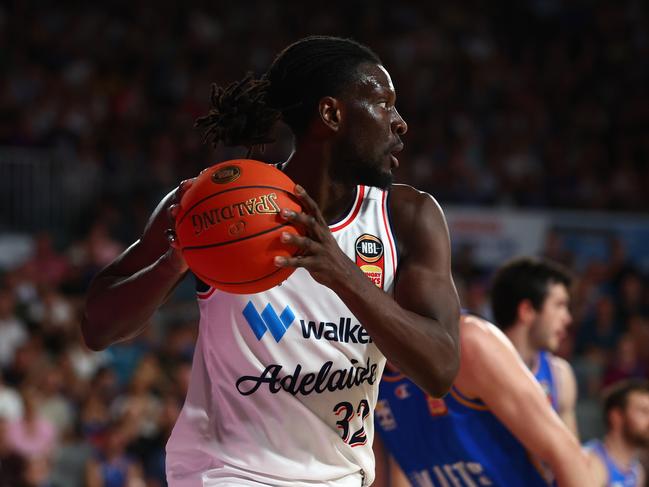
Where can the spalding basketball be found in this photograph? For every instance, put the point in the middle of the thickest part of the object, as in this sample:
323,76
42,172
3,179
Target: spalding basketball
229,225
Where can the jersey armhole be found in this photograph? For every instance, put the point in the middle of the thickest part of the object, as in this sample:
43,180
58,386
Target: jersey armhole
203,290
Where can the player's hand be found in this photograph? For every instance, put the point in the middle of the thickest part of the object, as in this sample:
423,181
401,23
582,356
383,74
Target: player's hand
320,254
173,255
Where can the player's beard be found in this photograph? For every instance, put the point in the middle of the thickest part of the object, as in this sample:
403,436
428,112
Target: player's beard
639,439
351,168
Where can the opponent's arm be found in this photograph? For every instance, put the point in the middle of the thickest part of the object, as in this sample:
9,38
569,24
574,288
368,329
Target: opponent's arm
567,387
124,295
642,476
388,473
418,329
492,370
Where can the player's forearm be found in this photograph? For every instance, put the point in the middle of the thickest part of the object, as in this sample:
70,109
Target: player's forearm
425,349
570,465
119,307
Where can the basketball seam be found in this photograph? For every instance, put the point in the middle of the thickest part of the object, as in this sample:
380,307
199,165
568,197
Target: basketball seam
227,191
220,244
237,283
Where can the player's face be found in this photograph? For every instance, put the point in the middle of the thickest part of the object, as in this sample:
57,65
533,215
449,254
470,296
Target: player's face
370,131
553,319
636,419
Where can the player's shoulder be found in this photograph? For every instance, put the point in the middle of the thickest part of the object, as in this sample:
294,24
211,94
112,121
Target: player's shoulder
561,366
407,199
415,216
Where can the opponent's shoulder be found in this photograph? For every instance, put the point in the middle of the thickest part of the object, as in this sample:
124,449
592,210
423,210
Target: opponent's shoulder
479,336
487,355
564,372
560,364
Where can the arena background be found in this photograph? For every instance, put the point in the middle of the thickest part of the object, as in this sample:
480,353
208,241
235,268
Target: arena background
529,121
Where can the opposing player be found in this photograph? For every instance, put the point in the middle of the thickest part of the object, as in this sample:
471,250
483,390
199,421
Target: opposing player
284,382
530,300
495,428
615,459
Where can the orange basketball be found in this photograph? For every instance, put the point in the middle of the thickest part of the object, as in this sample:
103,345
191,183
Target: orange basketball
229,225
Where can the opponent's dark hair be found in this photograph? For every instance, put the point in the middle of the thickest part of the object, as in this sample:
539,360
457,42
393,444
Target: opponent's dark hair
617,395
243,113
523,278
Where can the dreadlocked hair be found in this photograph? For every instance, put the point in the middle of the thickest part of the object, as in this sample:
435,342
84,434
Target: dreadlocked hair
238,114
244,112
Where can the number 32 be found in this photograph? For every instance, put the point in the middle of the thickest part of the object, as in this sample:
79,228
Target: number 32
346,409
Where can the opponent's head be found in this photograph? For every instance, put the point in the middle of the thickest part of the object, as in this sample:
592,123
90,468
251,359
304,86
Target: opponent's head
626,410
325,89
533,293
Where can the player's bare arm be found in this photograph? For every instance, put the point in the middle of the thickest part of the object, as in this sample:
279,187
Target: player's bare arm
507,387
125,294
388,472
418,330
597,468
567,385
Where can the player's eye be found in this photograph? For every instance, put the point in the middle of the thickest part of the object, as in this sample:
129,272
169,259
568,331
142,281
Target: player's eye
383,104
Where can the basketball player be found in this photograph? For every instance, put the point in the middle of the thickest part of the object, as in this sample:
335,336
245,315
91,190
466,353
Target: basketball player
615,459
530,302
496,427
294,406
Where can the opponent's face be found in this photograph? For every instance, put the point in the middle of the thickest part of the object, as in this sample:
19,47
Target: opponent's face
635,425
370,131
551,322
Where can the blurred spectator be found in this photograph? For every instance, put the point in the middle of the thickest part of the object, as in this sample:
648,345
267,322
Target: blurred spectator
11,404
625,363
13,332
112,466
70,459
46,266
32,436
599,333
54,406
12,465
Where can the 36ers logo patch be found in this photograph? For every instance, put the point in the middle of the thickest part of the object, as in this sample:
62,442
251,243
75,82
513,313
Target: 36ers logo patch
370,258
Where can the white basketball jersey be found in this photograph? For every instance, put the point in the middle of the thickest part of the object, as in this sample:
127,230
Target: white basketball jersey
284,382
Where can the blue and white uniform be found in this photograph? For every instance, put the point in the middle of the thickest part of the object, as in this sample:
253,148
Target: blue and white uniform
284,382
546,376
455,441
617,476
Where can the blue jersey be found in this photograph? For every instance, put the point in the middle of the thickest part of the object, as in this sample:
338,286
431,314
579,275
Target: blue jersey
455,441
617,476
545,376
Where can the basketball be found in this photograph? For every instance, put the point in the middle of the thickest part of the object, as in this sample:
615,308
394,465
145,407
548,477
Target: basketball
229,225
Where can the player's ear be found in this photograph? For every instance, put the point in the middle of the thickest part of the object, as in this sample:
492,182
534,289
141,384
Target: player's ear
526,312
330,113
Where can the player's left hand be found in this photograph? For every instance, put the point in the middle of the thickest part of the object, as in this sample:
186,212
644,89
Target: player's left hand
320,253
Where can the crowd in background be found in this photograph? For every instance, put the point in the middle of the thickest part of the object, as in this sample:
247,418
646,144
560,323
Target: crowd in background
538,104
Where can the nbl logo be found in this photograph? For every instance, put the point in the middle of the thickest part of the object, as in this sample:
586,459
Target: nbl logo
268,320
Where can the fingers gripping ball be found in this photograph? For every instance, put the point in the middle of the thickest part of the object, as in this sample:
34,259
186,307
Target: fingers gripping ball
229,225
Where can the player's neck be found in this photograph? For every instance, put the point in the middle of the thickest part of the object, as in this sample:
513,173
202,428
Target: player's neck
309,170
518,335
619,450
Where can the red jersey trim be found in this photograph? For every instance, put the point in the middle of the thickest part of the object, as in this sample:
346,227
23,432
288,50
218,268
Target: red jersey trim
205,294
360,194
388,231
